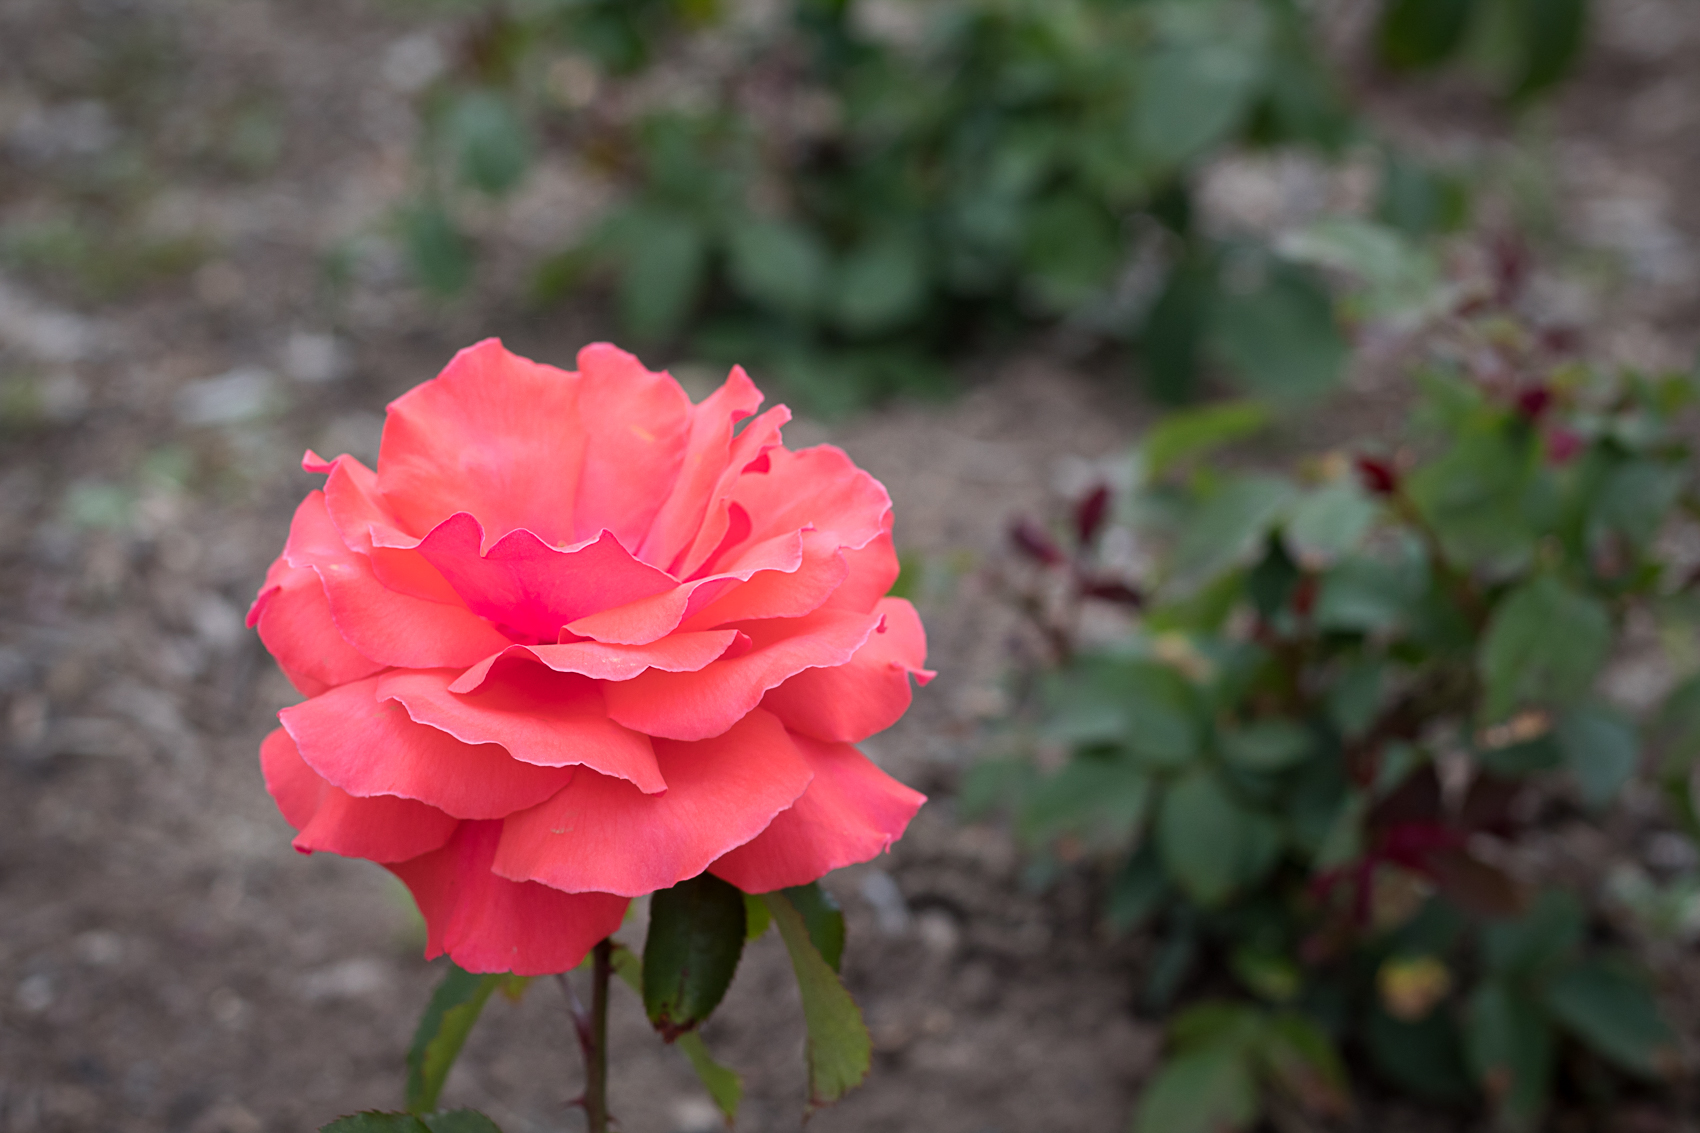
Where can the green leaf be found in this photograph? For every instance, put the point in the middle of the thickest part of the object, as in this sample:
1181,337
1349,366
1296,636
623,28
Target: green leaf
1173,333
662,256
1634,501
1544,644
1328,522
1600,749
441,258
1487,496
1301,1059
374,1122
448,1019
1368,595
1551,32
1145,705
1189,434
1535,943
722,1084
1201,835
1211,1090
1229,529
1073,249
1266,745
459,1121
880,286
778,265
839,1049
1279,335
1421,33
1610,1007
1354,699
1102,799
1191,96
491,145
1510,1046
696,937
1136,892
1392,278
1677,727
825,920
756,918
1424,1057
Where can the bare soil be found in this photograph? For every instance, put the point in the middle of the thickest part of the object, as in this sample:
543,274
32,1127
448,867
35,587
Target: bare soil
166,962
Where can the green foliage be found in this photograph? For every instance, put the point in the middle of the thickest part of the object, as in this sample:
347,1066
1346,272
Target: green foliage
696,937
453,1121
927,192
1526,45
1257,759
448,1020
838,1046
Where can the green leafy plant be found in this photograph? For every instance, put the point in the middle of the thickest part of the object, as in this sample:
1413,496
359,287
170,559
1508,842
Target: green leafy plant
1525,45
697,933
850,207
1337,704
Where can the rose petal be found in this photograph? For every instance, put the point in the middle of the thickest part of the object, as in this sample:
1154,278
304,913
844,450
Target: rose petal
369,746
817,487
641,422
540,717
380,829
294,619
678,653
389,627
707,451
494,435
602,833
851,812
532,589
694,706
867,694
870,573
487,923
750,446
780,593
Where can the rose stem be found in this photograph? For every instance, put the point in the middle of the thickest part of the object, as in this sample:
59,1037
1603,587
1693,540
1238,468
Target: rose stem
596,1050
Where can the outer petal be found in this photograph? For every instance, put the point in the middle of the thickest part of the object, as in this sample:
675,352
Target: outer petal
389,627
603,834
817,487
707,451
867,694
532,589
695,706
851,812
678,653
870,573
540,717
381,829
294,620
486,923
749,451
495,435
639,424
369,746
780,594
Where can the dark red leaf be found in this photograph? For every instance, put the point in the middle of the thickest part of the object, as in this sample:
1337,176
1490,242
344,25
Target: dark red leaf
1112,592
1534,401
1378,475
1090,512
1030,539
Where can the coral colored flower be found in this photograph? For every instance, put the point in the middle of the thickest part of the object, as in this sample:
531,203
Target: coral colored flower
576,640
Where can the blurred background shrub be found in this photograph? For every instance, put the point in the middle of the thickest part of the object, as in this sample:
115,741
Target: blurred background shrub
854,193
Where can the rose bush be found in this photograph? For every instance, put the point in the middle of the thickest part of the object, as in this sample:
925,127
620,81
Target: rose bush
576,640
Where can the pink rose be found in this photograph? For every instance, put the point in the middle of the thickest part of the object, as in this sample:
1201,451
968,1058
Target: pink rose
577,640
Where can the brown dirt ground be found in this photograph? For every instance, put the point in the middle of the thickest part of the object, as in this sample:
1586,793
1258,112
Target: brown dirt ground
166,962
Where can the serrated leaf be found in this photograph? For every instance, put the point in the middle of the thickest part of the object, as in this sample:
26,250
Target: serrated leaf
825,920
838,1047
1201,834
459,1121
373,1121
723,1085
1600,749
1544,644
778,265
1511,1048
1228,530
696,937
1192,433
448,1019
1610,1007
1211,1090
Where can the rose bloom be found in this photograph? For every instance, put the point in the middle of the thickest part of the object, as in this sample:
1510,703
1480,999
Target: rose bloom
577,640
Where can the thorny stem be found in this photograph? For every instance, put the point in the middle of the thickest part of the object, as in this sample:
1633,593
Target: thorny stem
592,1029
